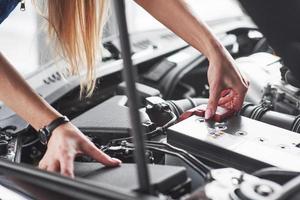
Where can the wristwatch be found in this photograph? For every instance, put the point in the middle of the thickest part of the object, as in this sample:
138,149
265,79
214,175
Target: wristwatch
46,131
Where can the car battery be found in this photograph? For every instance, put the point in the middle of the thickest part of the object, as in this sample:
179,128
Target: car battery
238,142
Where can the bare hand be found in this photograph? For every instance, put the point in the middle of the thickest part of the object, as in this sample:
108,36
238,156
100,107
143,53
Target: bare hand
65,143
228,87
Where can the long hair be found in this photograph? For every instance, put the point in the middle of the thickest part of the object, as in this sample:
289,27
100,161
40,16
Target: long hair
76,27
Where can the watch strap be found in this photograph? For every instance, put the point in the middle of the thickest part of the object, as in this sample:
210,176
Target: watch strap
56,123
46,131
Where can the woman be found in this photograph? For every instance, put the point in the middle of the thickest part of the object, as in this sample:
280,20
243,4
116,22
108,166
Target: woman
76,27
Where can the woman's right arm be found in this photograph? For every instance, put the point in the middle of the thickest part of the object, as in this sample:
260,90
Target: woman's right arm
228,86
66,140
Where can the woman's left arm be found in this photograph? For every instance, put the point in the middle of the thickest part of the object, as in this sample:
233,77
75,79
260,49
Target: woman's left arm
222,73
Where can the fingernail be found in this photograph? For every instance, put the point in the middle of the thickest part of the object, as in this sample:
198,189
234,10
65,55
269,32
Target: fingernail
208,114
117,160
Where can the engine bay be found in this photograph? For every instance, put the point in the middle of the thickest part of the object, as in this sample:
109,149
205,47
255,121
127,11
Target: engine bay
248,155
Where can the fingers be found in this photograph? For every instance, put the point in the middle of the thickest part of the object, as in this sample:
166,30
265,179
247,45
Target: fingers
238,103
225,92
67,165
91,150
229,105
239,97
54,166
225,99
233,101
214,97
245,81
42,165
63,148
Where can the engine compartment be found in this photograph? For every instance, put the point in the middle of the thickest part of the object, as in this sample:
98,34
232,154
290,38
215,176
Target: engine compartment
180,154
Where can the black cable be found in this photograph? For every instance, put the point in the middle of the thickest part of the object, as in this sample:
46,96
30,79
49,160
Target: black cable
203,174
31,143
151,134
183,154
148,135
189,156
186,158
171,122
187,161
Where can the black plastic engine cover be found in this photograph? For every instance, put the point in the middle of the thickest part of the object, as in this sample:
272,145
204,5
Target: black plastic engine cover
163,178
109,120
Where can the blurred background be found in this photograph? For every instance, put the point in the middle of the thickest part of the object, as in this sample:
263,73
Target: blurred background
24,43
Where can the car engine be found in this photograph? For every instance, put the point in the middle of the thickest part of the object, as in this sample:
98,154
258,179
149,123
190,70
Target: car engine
229,157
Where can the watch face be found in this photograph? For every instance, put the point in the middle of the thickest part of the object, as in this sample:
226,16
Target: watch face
43,136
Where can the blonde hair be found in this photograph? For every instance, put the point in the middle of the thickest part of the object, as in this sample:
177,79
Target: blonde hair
76,26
